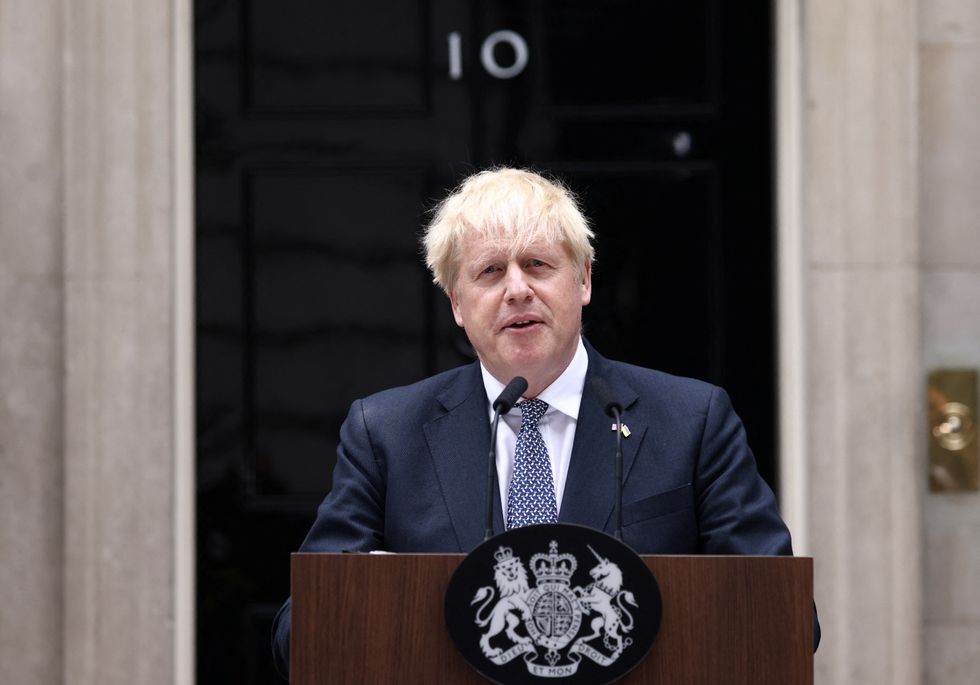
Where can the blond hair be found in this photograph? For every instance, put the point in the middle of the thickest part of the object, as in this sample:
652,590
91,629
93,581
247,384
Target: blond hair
512,207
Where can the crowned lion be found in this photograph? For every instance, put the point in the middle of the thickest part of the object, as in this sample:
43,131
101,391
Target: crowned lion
510,577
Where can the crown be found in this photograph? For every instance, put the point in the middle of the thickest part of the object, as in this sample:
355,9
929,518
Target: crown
553,567
504,556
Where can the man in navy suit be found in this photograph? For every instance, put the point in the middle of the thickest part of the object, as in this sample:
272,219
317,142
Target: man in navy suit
514,254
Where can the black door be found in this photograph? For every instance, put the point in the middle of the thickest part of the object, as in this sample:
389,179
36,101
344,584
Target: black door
326,129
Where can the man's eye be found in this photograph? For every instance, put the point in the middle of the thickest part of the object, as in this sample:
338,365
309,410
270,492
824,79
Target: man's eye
490,269
536,262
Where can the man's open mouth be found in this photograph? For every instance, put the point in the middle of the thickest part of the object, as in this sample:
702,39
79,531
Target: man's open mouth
523,324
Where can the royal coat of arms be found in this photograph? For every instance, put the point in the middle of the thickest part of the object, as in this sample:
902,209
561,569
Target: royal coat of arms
553,625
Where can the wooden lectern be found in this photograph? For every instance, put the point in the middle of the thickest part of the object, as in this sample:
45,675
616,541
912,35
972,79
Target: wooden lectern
367,618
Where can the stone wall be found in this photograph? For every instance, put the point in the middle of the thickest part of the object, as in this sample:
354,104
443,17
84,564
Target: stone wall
949,150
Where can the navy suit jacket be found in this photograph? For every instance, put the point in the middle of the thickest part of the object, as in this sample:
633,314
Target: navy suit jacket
411,472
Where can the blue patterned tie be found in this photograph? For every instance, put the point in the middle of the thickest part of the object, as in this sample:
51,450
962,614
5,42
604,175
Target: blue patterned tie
531,497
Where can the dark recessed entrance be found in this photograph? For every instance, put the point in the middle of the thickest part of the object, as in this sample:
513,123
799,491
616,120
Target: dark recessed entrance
323,130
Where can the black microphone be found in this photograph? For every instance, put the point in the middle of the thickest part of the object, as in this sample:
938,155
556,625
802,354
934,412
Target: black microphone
505,400
614,409
509,395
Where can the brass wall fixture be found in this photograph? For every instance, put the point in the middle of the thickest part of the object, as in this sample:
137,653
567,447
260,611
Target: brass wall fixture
953,447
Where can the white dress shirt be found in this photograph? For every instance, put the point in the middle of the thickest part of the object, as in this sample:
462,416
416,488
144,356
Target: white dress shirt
557,426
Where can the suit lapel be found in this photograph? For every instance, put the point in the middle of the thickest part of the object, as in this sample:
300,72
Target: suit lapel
589,496
458,442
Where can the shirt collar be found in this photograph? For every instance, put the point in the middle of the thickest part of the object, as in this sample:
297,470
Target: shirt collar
564,394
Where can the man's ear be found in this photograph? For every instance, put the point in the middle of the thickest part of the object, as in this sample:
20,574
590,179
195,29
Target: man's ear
457,311
587,283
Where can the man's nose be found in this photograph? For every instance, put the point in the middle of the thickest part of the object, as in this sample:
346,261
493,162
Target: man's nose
515,282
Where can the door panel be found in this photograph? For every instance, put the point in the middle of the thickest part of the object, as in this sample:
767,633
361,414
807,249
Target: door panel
332,58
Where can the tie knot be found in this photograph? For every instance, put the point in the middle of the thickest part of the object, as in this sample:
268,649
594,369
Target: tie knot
532,411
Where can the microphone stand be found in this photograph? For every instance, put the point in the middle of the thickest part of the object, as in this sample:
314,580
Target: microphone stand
619,471
492,471
614,409
507,398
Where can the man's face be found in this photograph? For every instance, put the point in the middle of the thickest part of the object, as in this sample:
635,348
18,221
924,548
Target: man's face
522,313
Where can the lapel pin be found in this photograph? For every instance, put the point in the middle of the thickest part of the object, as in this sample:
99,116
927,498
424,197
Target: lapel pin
626,430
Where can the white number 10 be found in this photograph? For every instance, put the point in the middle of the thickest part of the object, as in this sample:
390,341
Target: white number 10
487,58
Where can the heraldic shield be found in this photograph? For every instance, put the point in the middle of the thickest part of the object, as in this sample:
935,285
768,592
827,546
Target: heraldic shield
553,601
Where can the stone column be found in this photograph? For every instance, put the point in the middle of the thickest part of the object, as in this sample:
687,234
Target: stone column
31,343
852,381
96,545
122,257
